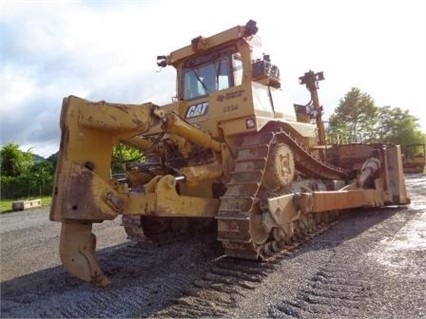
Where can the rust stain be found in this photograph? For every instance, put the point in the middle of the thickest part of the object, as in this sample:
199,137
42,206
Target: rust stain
78,198
138,122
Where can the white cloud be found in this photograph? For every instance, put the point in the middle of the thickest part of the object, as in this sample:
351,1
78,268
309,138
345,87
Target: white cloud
17,88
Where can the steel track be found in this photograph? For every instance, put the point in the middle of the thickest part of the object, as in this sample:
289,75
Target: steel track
240,202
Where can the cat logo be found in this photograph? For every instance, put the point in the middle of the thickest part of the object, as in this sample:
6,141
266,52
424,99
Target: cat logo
197,110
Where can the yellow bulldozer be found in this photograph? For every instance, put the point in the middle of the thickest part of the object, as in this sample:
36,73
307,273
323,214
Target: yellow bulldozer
230,152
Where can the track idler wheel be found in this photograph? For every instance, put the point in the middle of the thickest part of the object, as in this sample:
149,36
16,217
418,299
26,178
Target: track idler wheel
77,251
259,233
279,170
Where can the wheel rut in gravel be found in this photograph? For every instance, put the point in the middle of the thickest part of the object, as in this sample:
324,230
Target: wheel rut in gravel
144,276
345,284
328,292
220,289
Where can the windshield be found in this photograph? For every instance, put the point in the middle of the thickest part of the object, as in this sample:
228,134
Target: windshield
206,74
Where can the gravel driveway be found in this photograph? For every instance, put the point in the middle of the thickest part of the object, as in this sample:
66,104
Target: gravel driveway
369,265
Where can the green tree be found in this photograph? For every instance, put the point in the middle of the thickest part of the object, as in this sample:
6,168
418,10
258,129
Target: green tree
123,154
354,118
53,159
42,168
358,119
398,126
40,177
21,176
15,162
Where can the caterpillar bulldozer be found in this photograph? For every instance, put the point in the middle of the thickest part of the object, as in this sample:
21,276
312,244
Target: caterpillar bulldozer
230,152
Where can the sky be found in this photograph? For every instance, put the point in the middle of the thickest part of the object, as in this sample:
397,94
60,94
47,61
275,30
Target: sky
106,50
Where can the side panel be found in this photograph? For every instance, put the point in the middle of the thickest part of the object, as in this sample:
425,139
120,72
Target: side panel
395,181
233,107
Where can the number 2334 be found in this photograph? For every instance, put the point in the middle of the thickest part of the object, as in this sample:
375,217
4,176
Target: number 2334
230,108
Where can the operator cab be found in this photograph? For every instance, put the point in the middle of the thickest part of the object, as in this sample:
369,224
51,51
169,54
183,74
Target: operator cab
222,69
219,62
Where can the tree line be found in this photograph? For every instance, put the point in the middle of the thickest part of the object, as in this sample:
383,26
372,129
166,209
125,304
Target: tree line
24,175
356,119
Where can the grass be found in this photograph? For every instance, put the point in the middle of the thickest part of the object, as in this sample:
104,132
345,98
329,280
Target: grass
6,204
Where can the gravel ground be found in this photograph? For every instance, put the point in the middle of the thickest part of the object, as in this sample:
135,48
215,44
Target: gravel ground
369,265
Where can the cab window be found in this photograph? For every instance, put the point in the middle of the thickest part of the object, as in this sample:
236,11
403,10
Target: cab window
207,73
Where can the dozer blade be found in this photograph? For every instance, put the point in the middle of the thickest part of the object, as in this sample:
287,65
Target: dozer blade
77,252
